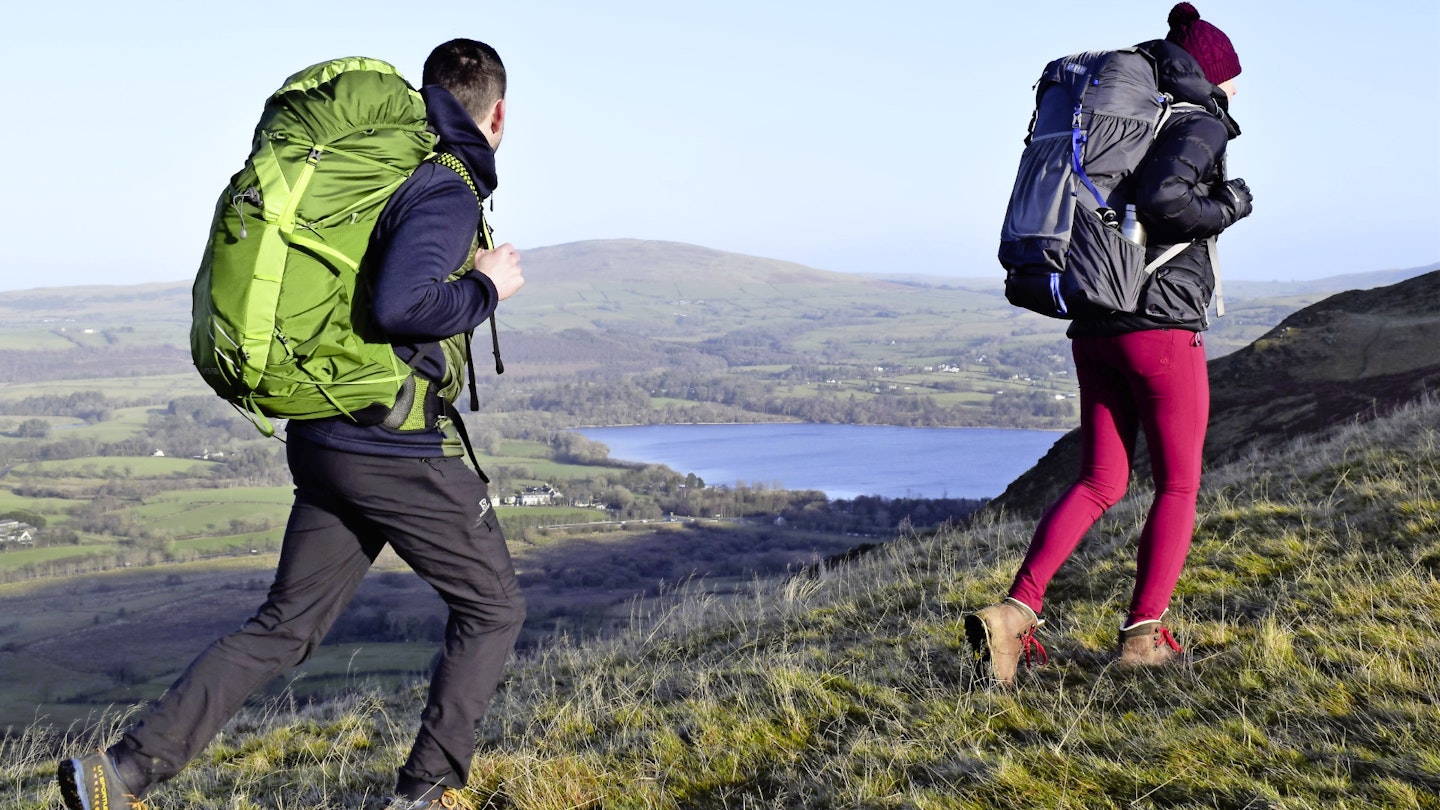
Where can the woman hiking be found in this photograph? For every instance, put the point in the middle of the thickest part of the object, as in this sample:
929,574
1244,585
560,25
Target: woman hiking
1143,369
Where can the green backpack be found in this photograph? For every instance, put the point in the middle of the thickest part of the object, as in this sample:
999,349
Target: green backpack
277,328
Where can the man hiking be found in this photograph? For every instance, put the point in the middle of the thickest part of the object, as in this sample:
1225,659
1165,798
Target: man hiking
359,488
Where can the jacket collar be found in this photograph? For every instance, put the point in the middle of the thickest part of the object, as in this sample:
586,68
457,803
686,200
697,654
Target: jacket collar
1181,76
460,137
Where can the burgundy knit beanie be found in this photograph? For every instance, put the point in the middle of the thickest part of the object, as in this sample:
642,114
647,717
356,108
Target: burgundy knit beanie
1208,44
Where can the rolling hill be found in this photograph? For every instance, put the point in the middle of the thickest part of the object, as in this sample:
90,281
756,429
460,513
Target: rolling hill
679,333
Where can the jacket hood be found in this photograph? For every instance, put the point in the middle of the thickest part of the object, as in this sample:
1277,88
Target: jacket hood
460,137
1182,77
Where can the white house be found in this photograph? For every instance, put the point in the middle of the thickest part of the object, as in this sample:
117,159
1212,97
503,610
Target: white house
13,532
543,495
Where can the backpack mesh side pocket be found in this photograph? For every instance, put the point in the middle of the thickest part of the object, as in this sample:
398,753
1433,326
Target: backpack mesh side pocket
1106,270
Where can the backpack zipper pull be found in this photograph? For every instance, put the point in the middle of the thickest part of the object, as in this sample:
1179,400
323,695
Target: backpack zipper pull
239,212
250,195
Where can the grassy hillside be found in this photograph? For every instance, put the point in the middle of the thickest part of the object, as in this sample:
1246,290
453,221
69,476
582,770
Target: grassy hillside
1310,608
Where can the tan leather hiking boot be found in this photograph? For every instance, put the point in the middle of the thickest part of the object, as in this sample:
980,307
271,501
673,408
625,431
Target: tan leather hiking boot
1149,644
1000,635
92,783
437,798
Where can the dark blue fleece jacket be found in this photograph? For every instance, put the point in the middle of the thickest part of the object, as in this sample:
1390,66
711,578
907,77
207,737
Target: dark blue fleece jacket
424,234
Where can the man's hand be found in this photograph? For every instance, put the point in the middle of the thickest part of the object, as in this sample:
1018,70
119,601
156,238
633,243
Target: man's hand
502,266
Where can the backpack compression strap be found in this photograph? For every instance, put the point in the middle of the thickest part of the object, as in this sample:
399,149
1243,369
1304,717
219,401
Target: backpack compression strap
281,201
1078,137
1077,148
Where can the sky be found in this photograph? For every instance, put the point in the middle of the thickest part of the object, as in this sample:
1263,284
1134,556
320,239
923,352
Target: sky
849,136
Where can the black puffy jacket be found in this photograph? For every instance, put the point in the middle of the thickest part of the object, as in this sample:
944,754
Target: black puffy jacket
1172,193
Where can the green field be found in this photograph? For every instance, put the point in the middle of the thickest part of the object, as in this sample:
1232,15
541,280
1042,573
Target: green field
15,559
122,424
554,514
247,542
33,340
518,449
159,388
45,506
540,471
113,467
192,512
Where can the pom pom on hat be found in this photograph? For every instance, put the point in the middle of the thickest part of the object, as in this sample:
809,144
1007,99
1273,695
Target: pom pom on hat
1208,44
1182,15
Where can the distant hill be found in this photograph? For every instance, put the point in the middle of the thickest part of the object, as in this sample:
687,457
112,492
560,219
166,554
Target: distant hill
1241,288
651,268
168,301
1350,357
1328,284
670,289
679,333
675,268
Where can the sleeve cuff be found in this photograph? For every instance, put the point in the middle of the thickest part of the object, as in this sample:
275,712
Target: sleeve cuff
492,296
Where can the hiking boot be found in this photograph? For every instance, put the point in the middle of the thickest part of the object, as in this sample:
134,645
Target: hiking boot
91,783
1149,644
1000,634
436,798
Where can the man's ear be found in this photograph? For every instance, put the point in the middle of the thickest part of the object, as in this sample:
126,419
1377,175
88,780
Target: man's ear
497,117
492,126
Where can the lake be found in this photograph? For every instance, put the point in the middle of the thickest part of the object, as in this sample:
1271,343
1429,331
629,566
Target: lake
842,461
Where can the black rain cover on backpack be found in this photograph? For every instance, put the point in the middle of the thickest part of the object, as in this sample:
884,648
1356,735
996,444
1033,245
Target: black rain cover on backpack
1096,115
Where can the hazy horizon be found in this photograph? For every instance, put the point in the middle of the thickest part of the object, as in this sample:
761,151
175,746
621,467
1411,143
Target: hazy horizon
996,277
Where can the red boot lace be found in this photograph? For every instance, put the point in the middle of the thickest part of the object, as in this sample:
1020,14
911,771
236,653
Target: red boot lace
1035,655
1169,639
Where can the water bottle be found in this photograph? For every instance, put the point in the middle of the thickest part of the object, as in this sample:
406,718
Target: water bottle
1130,227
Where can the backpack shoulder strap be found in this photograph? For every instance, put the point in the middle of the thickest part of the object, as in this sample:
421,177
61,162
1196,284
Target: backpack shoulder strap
1170,253
456,165
1214,252
485,239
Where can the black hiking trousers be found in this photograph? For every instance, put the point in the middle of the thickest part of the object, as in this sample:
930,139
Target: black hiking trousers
436,514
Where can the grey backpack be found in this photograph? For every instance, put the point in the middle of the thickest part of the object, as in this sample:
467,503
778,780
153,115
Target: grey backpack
1096,116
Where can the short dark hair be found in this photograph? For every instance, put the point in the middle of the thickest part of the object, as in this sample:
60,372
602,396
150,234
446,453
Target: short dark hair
471,71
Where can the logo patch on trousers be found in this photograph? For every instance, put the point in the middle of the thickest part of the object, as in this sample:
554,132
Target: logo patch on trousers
484,509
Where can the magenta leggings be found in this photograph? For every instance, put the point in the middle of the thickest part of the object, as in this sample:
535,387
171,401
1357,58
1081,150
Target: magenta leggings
1154,380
